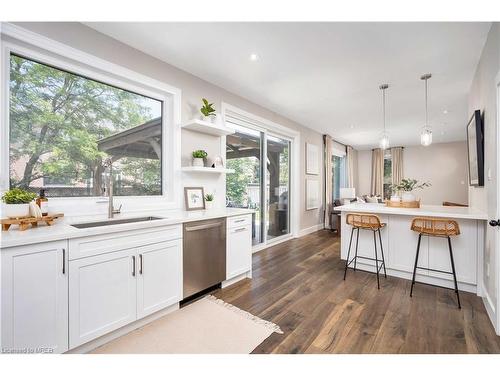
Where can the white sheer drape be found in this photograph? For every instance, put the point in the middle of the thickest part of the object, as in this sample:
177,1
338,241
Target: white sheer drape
328,145
350,166
377,181
397,164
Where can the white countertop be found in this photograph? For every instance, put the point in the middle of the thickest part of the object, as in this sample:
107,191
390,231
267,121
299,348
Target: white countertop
424,210
62,229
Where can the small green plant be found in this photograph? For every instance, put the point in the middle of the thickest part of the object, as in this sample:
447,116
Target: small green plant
199,154
409,184
209,197
18,196
207,109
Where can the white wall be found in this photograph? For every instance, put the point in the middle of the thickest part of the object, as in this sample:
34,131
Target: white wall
193,89
444,165
483,96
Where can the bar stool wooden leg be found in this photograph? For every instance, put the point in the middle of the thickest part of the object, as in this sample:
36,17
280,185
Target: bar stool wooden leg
382,251
356,255
376,258
348,253
454,273
415,266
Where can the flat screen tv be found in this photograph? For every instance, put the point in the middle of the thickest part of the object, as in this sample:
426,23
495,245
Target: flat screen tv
475,149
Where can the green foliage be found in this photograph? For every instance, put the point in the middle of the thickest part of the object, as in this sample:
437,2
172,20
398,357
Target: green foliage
57,119
207,109
409,184
18,196
209,197
201,154
246,171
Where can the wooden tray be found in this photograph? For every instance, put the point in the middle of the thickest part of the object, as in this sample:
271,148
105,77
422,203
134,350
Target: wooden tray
413,204
24,222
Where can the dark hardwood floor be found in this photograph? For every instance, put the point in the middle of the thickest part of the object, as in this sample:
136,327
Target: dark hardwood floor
299,286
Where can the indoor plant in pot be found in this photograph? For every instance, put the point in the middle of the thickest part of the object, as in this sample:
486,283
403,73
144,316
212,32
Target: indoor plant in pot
208,111
199,157
209,201
407,186
17,202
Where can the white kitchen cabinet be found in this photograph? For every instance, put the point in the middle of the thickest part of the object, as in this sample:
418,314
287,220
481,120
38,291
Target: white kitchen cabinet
238,249
102,294
159,279
35,298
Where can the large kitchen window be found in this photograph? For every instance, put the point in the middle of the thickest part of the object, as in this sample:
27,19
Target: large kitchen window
387,174
63,126
339,175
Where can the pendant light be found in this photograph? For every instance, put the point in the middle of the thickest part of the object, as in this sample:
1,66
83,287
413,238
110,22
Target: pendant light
426,135
384,139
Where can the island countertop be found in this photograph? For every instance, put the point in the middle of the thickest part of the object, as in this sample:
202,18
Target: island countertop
425,210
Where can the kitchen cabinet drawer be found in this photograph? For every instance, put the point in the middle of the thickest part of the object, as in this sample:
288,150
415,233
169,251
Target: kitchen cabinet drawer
238,251
35,297
106,243
238,221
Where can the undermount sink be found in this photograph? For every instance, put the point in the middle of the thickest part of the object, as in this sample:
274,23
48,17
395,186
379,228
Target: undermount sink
115,222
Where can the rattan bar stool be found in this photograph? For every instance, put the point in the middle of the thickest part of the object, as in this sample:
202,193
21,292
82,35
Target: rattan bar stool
434,227
365,222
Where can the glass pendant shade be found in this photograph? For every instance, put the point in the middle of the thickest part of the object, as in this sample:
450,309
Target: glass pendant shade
426,136
384,141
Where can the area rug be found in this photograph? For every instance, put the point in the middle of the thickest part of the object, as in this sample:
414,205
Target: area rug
209,325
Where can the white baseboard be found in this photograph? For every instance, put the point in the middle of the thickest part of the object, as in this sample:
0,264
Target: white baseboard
234,280
306,231
91,345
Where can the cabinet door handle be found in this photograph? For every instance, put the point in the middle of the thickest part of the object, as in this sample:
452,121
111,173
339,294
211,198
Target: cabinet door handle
64,261
239,220
240,230
140,264
133,265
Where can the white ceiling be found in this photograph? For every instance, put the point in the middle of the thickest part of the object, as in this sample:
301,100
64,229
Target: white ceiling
326,75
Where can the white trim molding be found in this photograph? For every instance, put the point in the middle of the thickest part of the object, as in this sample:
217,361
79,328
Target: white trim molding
40,48
306,231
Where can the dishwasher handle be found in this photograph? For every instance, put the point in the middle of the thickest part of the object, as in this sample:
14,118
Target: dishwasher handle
203,226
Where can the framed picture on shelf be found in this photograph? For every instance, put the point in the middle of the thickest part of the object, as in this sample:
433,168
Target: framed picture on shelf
194,197
312,159
312,194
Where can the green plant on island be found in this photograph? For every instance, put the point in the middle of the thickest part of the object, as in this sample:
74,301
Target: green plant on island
207,109
408,185
199,154
209,197
18,196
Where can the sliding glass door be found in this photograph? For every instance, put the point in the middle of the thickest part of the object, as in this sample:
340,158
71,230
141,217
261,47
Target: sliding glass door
243,187
261,162
278,187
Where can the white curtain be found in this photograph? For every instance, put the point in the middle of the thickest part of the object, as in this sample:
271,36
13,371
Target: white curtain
397,164
377,181
350,166
328,152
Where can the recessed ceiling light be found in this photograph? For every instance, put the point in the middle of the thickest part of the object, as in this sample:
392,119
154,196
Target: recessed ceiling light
254,57
445,111
351,126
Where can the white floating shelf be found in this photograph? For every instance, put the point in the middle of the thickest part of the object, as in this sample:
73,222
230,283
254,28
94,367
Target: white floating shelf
208,128
207,170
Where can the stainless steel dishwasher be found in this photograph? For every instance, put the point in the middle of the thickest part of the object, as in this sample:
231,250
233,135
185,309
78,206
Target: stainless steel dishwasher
204,259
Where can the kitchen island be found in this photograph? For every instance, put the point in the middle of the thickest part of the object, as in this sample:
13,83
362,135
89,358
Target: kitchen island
400,243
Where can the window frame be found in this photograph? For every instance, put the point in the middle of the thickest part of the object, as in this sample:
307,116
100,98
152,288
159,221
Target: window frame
46,51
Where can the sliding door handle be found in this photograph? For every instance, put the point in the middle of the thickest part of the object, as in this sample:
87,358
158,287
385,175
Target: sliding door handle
140,264
133,265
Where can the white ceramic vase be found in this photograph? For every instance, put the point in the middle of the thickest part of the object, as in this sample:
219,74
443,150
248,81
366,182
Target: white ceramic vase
198,162
395,198
209,205
408,196
16,210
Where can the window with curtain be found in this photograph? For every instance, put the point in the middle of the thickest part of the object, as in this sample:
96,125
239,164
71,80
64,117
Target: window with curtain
339,174
387,174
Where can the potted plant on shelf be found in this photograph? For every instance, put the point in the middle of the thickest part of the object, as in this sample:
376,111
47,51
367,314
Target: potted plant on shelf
199,157
209,201
17,202
208,111
407,186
